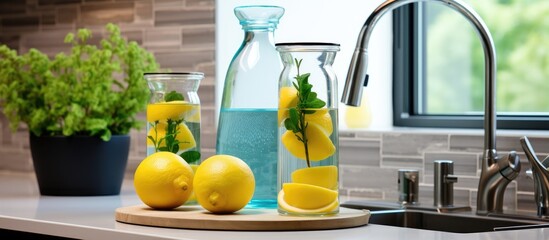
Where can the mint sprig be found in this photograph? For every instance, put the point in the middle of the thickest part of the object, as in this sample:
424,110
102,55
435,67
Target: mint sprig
172,129
172,143
174,96
307,100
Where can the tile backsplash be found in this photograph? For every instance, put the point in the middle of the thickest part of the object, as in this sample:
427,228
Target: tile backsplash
370,162
181,35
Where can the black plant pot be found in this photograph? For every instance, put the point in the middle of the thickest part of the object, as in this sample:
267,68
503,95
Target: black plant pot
79,165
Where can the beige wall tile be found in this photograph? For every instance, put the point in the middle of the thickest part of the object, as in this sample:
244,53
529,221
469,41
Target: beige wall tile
106,12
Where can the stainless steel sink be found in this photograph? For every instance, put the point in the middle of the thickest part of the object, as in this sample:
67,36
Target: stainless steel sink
463,222
447,222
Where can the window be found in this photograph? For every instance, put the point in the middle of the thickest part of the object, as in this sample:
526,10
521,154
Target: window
439,65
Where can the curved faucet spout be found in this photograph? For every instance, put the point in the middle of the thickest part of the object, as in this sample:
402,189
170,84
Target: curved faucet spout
352,91
491,171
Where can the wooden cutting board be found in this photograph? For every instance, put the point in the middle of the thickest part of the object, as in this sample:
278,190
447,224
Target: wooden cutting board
195,217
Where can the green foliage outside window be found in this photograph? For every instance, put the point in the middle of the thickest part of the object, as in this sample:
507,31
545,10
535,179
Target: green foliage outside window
455,70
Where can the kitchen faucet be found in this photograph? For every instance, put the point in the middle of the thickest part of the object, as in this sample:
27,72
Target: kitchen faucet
496,171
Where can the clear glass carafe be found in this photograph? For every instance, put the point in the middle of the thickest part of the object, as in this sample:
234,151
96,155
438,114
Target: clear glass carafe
173,116
247,121
308,152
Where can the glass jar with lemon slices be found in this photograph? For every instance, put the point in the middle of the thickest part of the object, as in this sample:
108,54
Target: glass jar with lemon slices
308,130
173,116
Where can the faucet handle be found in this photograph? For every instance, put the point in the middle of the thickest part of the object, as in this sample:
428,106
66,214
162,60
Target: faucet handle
540,174
450,179
510,165
529,173
531,155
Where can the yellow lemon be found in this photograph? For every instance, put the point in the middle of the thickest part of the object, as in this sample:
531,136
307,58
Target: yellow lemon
223,184
163,180
163,111
184,136
320,146
322,176
321,117
192,198
299,197
287,98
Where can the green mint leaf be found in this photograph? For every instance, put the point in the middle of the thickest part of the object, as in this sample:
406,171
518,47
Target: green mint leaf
311,97
175,147
169,139
163,149
294,116
290,126
316,103
173,96
191,156
292,122
305,77
305,91
152,140
307,87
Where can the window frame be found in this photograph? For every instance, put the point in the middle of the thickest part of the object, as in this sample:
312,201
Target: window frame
408,75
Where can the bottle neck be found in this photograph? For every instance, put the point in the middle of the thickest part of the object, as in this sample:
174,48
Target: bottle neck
261,35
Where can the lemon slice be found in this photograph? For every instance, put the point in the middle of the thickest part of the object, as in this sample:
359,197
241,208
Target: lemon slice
185,136
287,98
322,176
319,144
330,208
306,201
322,118
306,196
169,110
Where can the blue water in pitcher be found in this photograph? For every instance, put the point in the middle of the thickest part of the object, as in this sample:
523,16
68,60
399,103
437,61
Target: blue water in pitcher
251,135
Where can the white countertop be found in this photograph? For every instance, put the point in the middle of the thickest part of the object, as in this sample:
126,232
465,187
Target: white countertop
22,208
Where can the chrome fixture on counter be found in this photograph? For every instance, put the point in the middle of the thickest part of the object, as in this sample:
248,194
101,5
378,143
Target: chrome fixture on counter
540,173
496,171
444,183
408,186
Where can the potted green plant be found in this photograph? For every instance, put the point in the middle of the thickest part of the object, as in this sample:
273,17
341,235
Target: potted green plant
79,108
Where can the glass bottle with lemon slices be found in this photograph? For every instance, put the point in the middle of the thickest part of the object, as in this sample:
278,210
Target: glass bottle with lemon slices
308,149
173,116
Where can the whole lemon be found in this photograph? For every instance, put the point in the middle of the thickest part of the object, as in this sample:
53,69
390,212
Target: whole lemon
163,180
223,184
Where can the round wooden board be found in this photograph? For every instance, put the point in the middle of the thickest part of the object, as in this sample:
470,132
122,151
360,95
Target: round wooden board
195,217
